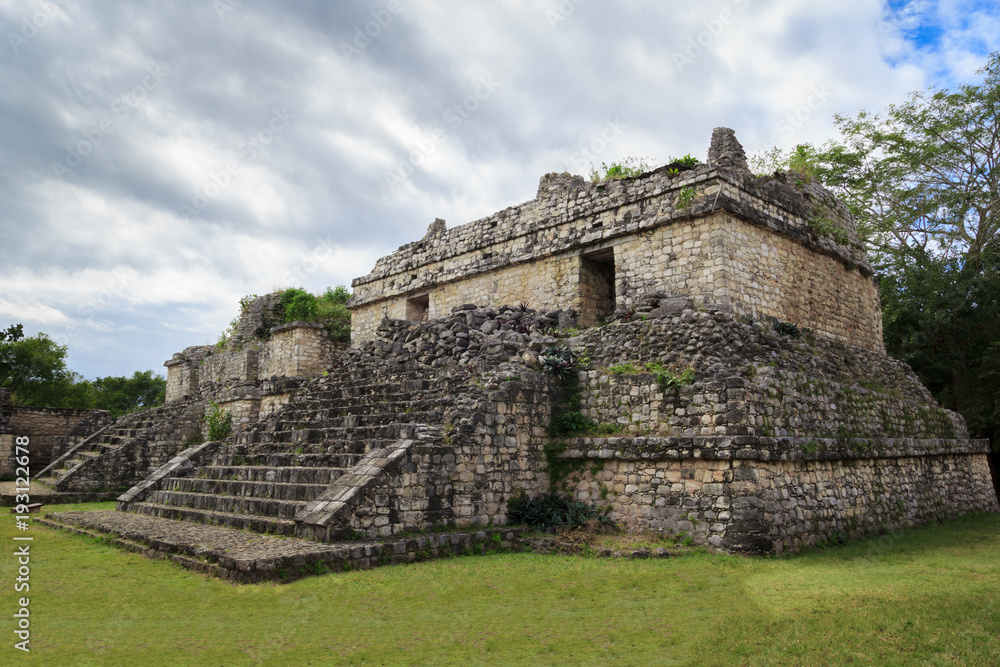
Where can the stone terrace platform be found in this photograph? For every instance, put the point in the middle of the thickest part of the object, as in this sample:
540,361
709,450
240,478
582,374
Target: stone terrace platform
40,493
242,556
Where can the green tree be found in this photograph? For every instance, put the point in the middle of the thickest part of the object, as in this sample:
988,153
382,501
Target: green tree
34,369
122,395
923,184
942,317
924,175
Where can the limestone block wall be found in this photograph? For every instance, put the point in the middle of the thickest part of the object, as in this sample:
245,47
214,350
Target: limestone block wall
770,274
772,497
230,367
700,245
488,450
182,371
50,431
243,404
298,349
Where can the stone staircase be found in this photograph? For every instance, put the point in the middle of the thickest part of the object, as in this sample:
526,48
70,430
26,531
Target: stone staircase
264,478
128,427
66,472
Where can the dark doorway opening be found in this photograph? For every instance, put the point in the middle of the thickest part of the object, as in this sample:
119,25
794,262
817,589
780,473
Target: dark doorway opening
993,458
597,286
417,308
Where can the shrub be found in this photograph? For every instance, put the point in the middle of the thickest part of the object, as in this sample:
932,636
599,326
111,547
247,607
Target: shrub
299,305
331,308
220,423
630,167
559,359
574,422
551,512
687,160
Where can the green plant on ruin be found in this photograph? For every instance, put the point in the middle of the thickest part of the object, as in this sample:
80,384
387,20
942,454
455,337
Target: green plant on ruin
685,197
559,360
826,227
574,423
630,167
220,422
551,512
298,305
785,328
688,160
245,303
669,379
330,308
623,369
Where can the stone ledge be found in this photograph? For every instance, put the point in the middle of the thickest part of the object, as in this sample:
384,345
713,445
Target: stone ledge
762,448
298,324
245,557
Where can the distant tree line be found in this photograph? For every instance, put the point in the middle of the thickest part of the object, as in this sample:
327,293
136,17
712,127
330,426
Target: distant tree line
34,369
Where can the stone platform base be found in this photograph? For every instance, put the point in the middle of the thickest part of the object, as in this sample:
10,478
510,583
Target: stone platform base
40,493
245,557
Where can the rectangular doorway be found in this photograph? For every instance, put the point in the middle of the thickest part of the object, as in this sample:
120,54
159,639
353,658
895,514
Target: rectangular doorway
417,308
597,286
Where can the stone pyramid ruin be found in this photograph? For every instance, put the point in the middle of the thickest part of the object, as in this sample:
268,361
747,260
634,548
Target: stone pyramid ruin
696,349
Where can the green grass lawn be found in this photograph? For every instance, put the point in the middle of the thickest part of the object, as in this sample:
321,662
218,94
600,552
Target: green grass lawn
927,596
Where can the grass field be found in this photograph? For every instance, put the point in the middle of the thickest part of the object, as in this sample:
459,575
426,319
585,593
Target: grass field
928,596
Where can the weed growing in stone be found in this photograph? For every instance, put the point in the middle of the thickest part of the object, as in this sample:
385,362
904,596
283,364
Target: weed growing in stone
685,197
630,167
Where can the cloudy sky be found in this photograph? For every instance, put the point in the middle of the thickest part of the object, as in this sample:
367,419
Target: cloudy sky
159,160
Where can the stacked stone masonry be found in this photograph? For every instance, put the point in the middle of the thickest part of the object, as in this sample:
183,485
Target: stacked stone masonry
774,246
51,431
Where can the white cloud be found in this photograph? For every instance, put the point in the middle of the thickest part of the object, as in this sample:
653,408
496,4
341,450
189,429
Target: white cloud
312,207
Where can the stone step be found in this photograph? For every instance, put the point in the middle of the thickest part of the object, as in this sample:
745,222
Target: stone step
282,475
245,488
393,430
259,524
285,459
247,505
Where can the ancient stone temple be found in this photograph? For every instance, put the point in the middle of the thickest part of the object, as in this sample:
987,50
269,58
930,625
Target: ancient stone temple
696,349
778,247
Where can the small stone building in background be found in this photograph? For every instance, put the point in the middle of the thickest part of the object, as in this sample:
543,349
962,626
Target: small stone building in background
775,246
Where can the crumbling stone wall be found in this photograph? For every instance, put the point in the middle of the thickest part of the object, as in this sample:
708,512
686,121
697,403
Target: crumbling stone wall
749,379
693,232
763,505
298,349
51,431
157,436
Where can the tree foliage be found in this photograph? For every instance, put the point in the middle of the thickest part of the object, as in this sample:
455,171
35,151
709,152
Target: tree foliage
923,184
329,308
34,369
922,178
942,316
121,395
